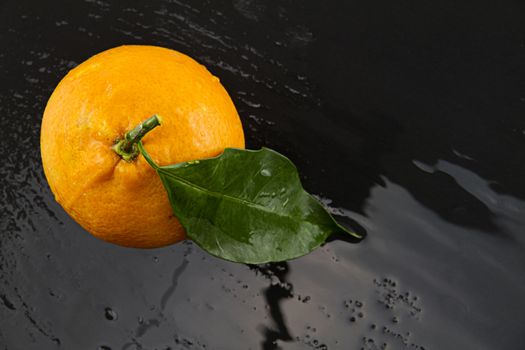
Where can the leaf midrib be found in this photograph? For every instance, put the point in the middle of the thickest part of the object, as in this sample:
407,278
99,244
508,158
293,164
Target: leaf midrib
234,199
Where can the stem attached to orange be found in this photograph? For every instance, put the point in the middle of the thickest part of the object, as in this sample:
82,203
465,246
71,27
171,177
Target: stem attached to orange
127,148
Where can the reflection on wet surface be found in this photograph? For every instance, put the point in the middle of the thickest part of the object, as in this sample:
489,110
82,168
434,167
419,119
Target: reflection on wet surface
414,137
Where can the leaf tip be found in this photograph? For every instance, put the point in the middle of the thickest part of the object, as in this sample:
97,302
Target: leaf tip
351,234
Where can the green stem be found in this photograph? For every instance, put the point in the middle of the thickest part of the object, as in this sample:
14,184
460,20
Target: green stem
146,156
127,147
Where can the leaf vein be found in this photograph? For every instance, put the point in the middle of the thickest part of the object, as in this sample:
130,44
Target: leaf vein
234,199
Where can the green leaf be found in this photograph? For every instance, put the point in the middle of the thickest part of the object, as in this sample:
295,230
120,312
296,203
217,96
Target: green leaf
246,206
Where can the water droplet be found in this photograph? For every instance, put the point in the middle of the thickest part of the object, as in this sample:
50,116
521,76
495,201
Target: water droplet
110,314
266,172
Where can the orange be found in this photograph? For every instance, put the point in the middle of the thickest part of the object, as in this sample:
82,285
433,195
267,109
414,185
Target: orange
96,103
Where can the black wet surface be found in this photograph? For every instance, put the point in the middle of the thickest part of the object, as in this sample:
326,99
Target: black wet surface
406,118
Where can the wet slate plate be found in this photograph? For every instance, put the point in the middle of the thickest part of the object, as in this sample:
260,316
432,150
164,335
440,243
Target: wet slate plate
406,119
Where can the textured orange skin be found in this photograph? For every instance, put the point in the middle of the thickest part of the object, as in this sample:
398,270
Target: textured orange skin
109,94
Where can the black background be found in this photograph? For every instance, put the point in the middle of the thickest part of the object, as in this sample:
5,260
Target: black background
406,118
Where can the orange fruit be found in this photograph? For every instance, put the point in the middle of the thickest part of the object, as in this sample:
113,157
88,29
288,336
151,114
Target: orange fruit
96,103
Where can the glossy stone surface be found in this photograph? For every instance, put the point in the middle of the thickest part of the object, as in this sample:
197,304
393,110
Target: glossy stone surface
407,119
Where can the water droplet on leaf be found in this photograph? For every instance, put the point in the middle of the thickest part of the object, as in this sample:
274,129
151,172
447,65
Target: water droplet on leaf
266,172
